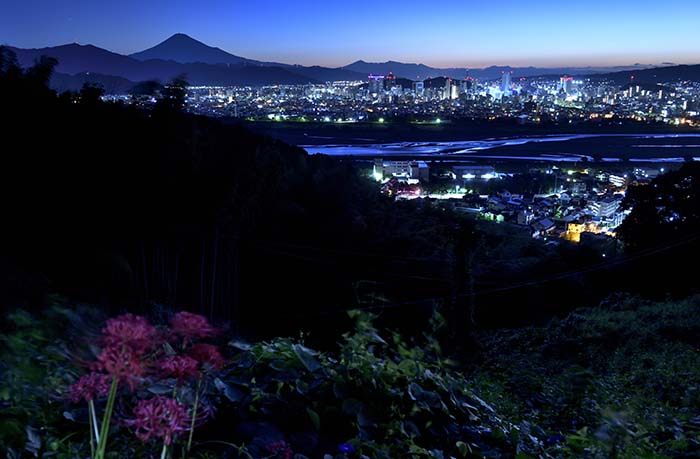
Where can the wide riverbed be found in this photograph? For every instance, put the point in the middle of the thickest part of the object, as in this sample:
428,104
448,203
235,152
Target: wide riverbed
568,147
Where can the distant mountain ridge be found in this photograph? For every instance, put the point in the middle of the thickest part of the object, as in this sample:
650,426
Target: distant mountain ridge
62,82
187,50
77,59
202,64
654,75
178,55
424,72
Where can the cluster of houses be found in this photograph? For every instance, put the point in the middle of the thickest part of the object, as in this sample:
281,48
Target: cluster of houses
558,215
585,203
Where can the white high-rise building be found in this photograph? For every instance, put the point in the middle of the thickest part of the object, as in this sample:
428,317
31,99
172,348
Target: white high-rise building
566,84
506,83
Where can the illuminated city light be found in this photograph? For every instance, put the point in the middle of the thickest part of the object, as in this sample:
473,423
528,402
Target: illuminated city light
564,98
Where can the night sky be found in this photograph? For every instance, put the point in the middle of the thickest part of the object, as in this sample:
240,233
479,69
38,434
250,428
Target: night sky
459,33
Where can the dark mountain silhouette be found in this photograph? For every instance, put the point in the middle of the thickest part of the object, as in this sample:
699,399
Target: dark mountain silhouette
185,50
87,59
111,84
228,75
326,74
75,58
206,65
410,71
423,72
654,75
88,63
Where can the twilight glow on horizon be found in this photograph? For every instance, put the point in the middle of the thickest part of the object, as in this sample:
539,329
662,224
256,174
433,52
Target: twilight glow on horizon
450,33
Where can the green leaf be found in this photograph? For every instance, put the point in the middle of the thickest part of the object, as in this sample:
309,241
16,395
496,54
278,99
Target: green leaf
160,389
306,358
408,367
363,418
351,406
463,448
240,345
483,403
414,391
315,419
233,394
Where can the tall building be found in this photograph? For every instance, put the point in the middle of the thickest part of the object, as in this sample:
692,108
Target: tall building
448,89
467,84
376,84
605,208
389,81
418,87
506,83
566,84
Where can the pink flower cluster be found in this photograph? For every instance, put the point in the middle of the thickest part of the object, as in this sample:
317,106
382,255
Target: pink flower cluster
129,341
134,351
189,325
180,367
89,386
159,417
280,449
132,331
207,354
121,362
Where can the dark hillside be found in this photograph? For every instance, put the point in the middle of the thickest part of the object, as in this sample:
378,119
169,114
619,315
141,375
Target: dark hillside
111,203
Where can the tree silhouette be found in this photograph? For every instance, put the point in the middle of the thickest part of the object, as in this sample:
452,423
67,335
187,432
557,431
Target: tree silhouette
91,93
42,70
146,88
668,209
173,95
8,63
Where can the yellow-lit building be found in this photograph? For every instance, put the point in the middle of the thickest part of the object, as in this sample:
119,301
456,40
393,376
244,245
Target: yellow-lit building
574,230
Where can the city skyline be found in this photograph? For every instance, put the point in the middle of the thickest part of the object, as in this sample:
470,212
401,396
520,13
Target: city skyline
453,34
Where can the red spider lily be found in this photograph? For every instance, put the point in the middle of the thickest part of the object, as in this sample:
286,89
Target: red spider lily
280,449
131,330
207,354
121,362
159,417
180,367
191,325
90,386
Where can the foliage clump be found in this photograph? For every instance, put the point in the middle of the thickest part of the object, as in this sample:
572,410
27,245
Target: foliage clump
384,397
619,380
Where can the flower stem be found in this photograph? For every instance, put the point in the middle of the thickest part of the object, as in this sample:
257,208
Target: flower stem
104,430
92,433
164,452
93,419
194,416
